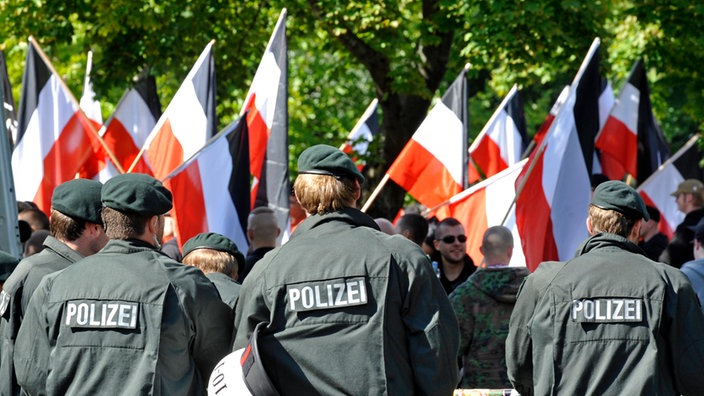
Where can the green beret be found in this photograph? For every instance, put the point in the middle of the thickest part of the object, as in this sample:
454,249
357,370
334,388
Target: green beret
136,193
619,196
322,159
214,241
8,263
79,199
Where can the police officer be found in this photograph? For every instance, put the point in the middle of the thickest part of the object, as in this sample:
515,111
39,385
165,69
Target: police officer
609,321
129,319
219,259
352,310
76,232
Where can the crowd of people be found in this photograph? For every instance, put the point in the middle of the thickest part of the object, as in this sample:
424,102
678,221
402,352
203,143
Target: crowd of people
102,302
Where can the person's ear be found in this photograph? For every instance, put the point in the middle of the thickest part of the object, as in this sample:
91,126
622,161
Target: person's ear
589,226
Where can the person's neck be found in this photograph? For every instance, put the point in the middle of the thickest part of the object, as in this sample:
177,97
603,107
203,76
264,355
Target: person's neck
452,270
650,234
254,245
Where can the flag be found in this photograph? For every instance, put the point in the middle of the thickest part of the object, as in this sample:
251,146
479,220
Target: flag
502,141
188,121
631,141
553,191
211,190
656,190
363,133
432,166
10,115
54,136
545,126
129,125
266,111
489,203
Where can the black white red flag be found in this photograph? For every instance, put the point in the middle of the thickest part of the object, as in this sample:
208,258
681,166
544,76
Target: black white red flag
501,142
211,190
553,191
188,121
631,142
266,111
54,137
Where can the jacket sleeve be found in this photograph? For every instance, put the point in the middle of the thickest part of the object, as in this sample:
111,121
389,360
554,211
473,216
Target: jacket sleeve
519,349
686,338
460,300
433,334
251,307
32,347
213,324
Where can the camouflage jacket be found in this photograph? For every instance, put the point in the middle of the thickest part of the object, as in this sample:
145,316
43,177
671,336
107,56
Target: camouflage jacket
483,306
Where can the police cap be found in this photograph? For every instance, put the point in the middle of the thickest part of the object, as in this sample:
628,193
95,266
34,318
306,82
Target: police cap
214,241
79,199
136,193
322,159
619,196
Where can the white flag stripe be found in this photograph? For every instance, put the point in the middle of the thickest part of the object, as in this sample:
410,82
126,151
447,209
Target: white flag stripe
439,135
626,109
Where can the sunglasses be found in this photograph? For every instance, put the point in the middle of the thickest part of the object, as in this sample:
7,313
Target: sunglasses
451,239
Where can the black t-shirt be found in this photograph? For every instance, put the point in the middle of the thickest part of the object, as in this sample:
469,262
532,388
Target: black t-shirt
448,285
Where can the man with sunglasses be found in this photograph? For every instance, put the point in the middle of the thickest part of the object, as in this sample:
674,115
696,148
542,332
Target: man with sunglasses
454,263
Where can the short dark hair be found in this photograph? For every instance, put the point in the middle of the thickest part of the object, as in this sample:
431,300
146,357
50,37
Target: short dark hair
66,228
447,222
119,225
415,224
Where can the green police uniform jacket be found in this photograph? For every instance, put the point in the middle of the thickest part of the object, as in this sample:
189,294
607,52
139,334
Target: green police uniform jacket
15,296
607,322
483,306
127,320
228,289
351,311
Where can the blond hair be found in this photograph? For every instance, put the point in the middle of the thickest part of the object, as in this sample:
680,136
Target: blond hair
319,194
611,221
209,260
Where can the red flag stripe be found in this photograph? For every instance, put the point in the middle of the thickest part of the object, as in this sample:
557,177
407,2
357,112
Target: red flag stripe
423,175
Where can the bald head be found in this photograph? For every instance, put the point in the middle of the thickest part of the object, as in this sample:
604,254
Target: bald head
497,246
385,225
262,228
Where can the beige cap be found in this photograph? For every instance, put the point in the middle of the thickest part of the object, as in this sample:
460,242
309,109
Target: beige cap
690,186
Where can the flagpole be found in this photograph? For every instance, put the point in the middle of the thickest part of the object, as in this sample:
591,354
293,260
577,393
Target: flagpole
73,98
465,127
360,122
493,118
678,154
375,193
